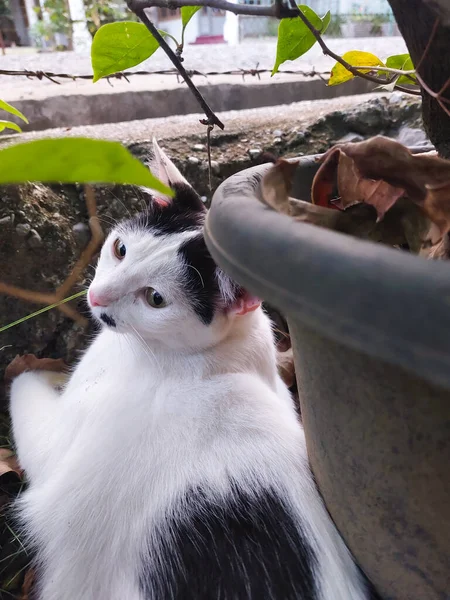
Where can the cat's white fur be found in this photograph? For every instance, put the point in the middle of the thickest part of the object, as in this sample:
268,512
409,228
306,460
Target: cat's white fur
159,405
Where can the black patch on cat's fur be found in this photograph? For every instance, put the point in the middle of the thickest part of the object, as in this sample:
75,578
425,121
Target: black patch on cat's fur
108,320
248,548
200,278
184,212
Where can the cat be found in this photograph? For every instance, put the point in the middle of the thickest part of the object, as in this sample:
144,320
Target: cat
172,464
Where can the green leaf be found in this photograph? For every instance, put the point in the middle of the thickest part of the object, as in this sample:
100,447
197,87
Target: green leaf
9,125
13,111
355,58
294,37
404,63
326,20
187,12
75,160
120,46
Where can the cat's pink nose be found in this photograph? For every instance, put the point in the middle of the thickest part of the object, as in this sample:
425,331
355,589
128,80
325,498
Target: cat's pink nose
97,300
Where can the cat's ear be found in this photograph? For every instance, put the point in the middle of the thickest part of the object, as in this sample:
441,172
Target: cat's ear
237,299
163,168
245,303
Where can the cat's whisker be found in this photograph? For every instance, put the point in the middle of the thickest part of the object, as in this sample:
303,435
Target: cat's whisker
122,203
108,220
143,199
199,274
147,348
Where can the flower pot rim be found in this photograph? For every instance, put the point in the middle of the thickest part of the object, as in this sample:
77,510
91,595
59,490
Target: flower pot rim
387,303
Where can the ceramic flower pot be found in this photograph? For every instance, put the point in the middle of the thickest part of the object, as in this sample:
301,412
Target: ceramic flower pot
370,328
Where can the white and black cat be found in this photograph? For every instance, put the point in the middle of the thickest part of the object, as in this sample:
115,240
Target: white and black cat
172,465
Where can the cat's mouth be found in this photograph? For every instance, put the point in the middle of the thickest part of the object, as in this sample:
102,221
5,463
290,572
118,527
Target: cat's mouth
108,320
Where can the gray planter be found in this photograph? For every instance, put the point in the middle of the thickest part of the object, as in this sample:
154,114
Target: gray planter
371,335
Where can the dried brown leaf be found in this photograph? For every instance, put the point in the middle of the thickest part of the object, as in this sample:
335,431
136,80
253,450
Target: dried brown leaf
29,362
9,463
437,206
276,185
379,172
354,188
383,158
324,184
28,584
286,367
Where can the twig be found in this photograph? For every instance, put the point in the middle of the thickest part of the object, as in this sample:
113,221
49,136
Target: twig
438,96
430,41
208,139
277,10
442,101
212,119
326,50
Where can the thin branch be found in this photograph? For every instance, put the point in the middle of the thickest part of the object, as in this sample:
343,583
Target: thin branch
353,70
387,70
430,41
212,118
442,101
276,10
336,57
406,90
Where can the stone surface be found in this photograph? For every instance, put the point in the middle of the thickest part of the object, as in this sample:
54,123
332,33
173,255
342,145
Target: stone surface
215,167
8,220
82,234
23,229
35,240
412,136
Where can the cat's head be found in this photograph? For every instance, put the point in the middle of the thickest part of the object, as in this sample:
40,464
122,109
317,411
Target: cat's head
155,277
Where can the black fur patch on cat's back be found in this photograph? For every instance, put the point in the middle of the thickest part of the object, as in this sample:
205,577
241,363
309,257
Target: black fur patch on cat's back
248,548
200,279
184,212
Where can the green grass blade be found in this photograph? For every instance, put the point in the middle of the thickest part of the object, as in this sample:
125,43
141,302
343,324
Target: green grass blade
42,310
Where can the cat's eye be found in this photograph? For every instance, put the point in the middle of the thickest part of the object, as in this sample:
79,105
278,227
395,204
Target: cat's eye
154,298
119,249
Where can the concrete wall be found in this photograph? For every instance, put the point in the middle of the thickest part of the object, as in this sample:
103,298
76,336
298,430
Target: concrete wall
77,109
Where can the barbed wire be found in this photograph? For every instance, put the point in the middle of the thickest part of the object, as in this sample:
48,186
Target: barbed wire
256,72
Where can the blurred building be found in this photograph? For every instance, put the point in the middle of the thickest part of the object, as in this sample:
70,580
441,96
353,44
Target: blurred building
26,19
22,23
350,18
